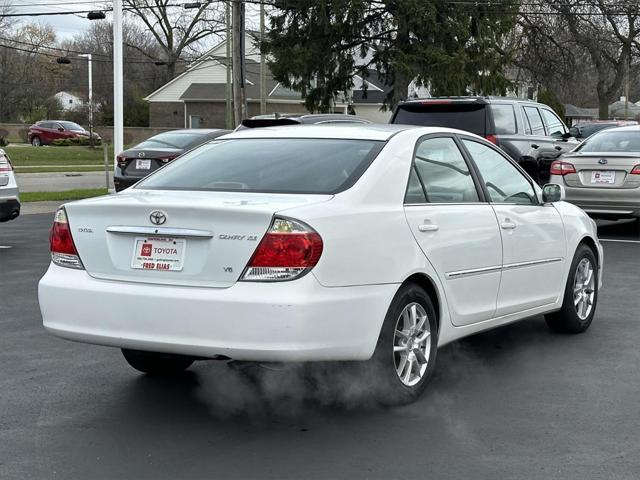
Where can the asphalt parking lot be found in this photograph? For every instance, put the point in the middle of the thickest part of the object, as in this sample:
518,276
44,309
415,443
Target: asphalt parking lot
514,403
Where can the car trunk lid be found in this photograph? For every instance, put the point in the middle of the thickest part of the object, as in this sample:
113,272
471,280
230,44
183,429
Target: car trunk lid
602,170
206,238
139,163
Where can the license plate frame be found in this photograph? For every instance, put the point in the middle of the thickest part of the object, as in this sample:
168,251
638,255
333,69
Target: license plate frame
143,164
603,177
158,254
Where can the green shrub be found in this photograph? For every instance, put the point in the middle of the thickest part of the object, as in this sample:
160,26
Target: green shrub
3,142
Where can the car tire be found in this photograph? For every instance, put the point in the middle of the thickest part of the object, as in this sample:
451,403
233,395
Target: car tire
580,295
36,142
403,374
160,364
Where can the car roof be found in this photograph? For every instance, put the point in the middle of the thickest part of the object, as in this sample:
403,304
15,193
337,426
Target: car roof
203,131
469,99
625,128
347,131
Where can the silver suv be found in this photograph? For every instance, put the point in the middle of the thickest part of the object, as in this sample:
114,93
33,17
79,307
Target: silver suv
9,195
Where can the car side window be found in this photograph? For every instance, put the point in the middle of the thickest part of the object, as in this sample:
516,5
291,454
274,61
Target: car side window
555,127
535,121
443,172
504,182
415,193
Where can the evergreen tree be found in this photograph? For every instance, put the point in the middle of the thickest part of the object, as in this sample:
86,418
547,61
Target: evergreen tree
453,47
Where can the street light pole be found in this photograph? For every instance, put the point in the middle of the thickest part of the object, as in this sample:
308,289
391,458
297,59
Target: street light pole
118,119
88,57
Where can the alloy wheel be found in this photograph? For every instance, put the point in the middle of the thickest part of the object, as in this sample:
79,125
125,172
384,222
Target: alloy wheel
584,288
412,344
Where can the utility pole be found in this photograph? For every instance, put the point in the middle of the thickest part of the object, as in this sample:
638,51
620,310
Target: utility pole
263,80
88,57
228,109
626,89
239,97
118,120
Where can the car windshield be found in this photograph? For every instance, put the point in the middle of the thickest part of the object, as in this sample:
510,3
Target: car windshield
271,165
74,127
171,140
612,141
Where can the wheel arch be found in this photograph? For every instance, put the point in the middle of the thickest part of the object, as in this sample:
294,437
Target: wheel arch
591,243
425,282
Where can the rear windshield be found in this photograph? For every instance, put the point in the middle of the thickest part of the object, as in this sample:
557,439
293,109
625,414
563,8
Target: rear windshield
612,141
463,116
171,140
269,165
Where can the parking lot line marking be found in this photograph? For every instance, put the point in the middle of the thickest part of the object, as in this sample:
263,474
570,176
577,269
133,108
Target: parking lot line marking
618,241
5,246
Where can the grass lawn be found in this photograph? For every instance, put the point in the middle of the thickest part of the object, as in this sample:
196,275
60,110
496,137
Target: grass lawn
47,156
63,169
61,196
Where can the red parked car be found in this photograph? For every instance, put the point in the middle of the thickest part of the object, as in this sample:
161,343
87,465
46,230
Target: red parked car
46,131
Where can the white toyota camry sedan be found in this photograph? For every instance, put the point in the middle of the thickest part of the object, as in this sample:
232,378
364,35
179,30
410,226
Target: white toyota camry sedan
374,243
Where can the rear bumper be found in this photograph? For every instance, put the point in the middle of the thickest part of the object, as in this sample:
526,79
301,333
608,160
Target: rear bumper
122,182
290,321
9,209
610,202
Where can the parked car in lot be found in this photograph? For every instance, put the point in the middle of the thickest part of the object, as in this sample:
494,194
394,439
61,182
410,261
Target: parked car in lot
46,132
529,132
372,243
9,194
273,120
583,130
602,175
136,163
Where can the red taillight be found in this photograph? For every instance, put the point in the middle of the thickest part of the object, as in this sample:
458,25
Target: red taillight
492,138
121,159
63,250
288,249
436,102
5,164
558,167
635,170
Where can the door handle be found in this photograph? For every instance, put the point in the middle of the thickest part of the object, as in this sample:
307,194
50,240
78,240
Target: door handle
507,224
428,227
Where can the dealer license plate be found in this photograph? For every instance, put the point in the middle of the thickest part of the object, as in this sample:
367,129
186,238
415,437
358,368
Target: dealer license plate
159,253
603,176
143,164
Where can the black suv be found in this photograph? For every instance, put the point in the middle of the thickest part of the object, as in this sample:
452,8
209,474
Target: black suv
530,132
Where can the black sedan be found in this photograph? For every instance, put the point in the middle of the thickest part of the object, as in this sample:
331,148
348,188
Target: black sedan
139,161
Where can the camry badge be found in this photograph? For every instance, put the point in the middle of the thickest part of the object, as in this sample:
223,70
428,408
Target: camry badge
603,161
158,217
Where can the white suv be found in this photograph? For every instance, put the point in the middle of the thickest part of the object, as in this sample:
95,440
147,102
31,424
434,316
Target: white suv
9,195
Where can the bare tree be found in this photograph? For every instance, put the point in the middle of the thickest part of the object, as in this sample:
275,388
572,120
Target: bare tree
177,30
587,46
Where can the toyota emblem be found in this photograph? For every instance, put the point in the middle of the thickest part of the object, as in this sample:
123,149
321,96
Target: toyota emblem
158,217
603,161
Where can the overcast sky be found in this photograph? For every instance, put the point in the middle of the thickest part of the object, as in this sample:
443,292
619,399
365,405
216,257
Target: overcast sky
67,26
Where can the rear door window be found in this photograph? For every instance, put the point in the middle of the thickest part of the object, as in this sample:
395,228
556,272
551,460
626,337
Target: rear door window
504,119
268,165
535,121
467,116
444,173
555,127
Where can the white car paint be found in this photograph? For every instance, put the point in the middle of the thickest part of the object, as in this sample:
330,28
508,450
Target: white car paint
482,275
9,192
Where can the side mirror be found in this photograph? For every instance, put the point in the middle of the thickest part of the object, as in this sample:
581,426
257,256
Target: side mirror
552,192
574,132
567,135
60,129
